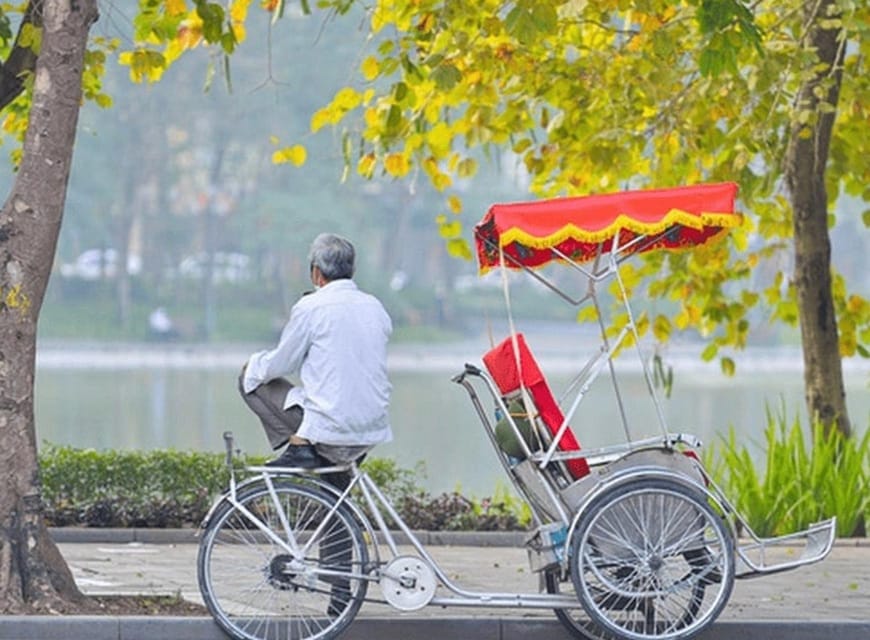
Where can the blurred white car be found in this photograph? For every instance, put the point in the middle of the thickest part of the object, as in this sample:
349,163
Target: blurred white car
95,264
228,267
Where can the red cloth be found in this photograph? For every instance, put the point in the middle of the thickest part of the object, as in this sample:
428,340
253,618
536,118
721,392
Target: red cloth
579,226
502,366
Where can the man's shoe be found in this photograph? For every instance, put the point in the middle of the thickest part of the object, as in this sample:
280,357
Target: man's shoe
301,456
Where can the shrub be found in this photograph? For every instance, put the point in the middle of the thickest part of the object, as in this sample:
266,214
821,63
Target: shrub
167,488
162,488
800,482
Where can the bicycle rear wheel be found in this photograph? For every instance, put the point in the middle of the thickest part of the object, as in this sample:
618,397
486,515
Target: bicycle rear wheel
256,590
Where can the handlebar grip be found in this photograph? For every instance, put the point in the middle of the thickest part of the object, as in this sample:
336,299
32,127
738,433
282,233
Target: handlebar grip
228,443
471,369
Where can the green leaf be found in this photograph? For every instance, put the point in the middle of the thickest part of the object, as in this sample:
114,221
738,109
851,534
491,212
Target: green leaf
446,76
519,24
394,117
709,352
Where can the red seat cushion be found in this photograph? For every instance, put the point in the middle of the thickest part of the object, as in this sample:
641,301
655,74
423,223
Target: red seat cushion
502,365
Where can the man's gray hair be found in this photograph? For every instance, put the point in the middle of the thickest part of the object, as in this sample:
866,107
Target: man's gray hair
333,255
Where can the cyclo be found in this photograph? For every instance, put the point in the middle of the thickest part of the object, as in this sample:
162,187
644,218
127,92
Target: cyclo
633,540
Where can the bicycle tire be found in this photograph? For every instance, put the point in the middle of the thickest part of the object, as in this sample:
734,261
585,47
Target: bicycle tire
651,559
255,590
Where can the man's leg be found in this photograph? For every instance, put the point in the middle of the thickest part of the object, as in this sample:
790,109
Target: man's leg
267,402
336,551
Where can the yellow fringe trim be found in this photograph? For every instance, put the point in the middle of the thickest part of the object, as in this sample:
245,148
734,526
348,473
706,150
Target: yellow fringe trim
622,221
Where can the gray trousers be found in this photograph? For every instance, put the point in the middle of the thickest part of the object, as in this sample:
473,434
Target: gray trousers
267,403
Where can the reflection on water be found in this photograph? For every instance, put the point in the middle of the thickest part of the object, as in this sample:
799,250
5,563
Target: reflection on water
188,408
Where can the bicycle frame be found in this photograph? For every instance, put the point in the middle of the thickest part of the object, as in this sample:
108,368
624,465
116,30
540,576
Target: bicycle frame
379,506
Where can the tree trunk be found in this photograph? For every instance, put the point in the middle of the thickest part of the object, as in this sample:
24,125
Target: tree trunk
33,575
806,160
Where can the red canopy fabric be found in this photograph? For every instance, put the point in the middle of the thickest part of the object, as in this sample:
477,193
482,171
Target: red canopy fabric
578,227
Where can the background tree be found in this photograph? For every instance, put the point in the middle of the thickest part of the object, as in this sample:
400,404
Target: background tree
587,95
607,94
31,569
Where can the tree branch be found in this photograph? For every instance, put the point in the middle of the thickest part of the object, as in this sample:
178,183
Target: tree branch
21,60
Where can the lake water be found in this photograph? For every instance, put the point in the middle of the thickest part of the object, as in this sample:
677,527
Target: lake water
145,397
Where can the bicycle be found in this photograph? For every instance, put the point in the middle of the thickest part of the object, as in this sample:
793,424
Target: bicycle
633,540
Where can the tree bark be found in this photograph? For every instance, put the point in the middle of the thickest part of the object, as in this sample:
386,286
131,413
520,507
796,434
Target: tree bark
806,159
33,574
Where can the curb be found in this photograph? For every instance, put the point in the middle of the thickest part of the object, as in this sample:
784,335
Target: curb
148,628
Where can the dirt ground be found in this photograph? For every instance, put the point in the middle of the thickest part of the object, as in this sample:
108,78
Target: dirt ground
128,606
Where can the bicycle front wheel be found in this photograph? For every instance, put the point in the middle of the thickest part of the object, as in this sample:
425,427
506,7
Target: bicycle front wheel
258,589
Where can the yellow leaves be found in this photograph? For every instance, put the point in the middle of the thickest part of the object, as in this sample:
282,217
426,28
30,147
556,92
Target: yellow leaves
380,19
366,165
437,177
439,139
189,33
371,118
295,154
370,68
441,181
239,10
856,304
455,204
451,231
467,168
14,123
397,12
397,165
145,65
426,23
176,7
238,16
688,316
345,100
30,37
15,298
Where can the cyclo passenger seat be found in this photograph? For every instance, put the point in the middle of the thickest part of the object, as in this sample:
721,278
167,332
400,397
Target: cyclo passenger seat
501,362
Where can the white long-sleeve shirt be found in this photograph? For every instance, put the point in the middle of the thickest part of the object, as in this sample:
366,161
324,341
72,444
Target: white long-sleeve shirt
336,340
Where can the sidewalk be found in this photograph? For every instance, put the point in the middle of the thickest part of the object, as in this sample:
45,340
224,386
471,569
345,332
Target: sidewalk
830,599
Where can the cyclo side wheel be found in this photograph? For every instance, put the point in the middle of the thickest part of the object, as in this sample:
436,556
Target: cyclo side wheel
576,621
652,559
256,590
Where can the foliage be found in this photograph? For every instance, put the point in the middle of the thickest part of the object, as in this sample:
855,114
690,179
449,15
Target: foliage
165,488
394,481
801,481
541,84
129,489
546,80
454,512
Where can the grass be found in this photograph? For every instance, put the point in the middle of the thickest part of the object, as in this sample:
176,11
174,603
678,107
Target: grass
806,476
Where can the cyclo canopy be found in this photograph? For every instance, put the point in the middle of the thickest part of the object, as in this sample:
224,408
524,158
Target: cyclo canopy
532,234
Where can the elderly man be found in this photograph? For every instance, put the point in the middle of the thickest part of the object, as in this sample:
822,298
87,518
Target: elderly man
336,340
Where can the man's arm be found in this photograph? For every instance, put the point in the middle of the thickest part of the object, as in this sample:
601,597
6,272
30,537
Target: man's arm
284,359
